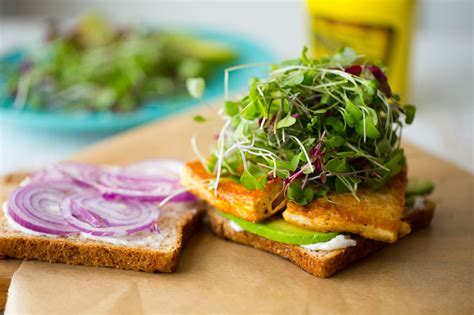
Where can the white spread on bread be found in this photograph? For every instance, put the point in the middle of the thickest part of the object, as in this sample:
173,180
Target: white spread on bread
143,238
15,226
339,242
234,226
419,203
146,239
25,182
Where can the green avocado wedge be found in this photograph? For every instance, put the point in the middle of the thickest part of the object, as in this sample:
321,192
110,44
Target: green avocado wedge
277,229
419,187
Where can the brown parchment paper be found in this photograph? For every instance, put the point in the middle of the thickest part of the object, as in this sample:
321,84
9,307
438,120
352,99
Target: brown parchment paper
428,272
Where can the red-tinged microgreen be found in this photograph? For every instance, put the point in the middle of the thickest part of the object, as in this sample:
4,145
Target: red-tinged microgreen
321,125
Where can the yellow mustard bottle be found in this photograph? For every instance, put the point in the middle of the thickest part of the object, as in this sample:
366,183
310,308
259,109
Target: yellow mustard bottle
379,29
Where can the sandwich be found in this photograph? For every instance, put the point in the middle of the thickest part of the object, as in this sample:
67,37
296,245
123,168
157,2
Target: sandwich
135,217
309,166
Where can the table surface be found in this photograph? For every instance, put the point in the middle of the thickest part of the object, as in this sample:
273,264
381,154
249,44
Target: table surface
430,270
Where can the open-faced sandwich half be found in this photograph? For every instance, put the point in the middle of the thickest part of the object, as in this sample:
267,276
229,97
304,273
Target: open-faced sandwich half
308,165
110,216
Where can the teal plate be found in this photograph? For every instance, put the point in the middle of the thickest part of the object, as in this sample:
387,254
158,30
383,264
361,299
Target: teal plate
248,51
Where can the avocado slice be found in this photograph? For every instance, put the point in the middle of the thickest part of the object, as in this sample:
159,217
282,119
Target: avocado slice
419,187
277,229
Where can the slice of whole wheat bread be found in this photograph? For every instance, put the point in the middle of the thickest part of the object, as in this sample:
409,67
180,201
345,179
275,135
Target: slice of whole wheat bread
175,223
319,263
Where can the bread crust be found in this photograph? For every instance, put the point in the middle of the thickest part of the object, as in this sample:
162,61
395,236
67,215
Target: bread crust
76,251
97,253
318,263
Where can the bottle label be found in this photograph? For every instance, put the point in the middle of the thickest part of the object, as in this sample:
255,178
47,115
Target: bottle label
374,41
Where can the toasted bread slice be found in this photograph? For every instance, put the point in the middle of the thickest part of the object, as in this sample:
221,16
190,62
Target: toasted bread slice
232,197
376,216
318,263
176,224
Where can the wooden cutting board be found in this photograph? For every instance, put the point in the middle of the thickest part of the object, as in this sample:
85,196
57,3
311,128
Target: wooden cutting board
171,139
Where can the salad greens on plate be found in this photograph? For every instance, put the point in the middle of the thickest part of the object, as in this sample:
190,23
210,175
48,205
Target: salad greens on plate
320,125
97,67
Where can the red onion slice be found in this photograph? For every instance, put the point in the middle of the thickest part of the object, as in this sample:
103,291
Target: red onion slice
90,213
79,171
36,207
117,180
155,169
45,174
114,185
101,201
119,183
53,173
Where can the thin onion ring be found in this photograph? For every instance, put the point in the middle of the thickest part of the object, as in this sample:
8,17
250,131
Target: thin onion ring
90,213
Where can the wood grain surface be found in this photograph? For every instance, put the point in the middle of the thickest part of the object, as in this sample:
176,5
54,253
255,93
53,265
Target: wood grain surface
170,139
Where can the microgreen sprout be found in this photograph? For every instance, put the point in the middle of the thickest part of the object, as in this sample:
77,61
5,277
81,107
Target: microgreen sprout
196,87
97,66
319,125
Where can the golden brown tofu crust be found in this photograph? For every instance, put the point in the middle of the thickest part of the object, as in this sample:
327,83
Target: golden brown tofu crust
376,216
232,197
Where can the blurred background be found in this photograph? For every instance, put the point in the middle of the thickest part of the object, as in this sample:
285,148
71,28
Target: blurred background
437,50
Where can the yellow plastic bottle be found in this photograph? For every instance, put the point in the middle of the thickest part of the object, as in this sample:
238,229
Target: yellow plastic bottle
378,29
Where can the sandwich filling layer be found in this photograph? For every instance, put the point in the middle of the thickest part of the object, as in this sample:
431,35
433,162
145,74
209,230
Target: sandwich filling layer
283,232
339,242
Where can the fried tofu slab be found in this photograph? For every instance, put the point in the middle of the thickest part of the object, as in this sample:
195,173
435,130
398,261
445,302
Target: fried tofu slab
232,197
376,216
